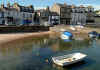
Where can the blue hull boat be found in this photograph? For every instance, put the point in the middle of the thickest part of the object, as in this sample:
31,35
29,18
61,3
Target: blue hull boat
93,34
66,35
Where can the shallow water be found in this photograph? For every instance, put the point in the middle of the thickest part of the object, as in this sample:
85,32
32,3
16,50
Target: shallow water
36,53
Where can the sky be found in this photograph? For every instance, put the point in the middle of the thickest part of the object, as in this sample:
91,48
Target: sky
43,3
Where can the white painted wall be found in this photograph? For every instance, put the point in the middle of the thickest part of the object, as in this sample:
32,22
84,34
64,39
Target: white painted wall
78,15
16,15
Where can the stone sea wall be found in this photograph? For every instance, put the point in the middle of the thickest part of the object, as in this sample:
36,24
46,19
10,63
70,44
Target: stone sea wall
5,29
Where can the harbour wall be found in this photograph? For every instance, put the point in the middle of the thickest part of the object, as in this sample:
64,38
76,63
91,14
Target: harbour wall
10,29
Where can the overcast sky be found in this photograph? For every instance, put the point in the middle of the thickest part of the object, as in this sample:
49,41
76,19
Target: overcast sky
44,3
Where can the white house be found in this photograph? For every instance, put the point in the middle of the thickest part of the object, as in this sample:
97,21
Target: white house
78,15
16,14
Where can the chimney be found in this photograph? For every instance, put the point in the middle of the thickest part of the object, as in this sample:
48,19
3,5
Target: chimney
2,5
31,6
65,4
81,6
73,6
47,8
8,5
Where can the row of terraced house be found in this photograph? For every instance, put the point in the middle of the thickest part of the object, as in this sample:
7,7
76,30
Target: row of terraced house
16,14
57,14
68,14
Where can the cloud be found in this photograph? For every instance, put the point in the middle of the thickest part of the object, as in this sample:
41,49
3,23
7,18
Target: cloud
96,7
36,8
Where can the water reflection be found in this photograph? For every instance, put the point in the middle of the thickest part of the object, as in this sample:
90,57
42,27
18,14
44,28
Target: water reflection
61,45
18,48
36,53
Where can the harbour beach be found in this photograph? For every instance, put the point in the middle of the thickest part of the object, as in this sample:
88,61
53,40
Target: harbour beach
9,37
78,32
49,35
54,31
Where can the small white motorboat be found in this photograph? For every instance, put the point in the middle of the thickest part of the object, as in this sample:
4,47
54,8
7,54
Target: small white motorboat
64,37
68,59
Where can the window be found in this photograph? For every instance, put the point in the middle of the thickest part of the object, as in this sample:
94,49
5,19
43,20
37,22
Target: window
30,15
23,15
63,15
2,14
16,13
8,13
63,10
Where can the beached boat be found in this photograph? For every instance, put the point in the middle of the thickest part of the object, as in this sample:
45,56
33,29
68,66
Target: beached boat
66,35
93,34
68,59
98,36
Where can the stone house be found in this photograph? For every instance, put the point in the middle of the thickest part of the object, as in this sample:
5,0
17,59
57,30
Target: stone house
26,12
90,14
64,11
70,14
9,16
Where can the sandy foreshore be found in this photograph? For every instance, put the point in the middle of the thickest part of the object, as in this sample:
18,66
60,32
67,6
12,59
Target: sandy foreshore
80,33
4,38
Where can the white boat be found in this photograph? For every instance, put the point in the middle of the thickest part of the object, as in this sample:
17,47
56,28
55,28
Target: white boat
68,59
64,36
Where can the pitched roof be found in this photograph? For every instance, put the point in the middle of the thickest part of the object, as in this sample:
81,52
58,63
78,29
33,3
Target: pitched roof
8,9
61,5
24,8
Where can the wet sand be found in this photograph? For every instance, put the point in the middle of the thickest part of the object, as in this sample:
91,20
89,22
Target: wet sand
54,31
4,38
78,32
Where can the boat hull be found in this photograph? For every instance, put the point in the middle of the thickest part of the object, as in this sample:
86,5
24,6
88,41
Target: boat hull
92,36
65,63
65,37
